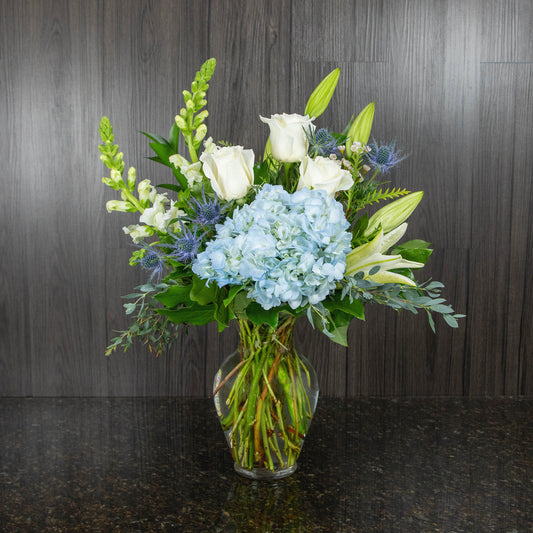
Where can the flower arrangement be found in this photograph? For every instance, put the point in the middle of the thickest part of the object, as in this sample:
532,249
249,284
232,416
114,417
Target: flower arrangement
263,242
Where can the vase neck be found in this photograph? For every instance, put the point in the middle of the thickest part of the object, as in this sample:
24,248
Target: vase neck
251,336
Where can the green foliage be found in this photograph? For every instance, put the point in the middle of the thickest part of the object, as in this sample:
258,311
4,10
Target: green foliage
149,327
416,250
425,296
163,149
370,196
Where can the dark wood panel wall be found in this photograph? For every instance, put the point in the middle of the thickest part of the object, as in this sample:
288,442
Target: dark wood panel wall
453,83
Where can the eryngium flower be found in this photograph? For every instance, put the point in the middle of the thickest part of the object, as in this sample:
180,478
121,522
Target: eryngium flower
286,248
383,157
322,143
206,212
154,263
185,245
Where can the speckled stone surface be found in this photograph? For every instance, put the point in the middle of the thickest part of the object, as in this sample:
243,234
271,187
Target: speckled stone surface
131,465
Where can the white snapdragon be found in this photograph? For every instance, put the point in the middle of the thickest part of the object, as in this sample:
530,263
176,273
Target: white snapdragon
209,146
288,141
147,191
173,213
138,232
193,172
117,205
155,216
324,173
230,170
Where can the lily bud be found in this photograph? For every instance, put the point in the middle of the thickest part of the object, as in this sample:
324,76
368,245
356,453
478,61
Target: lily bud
393,214
360,129
321,96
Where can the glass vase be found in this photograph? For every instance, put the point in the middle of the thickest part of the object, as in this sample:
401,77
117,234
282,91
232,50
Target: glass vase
265,395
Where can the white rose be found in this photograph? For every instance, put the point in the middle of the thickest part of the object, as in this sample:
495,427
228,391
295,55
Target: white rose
288,141
230,170
324,173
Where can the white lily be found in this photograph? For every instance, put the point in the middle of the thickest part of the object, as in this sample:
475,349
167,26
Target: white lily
371,254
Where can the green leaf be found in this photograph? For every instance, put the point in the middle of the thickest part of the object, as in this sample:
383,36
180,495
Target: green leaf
451,321
355,308
444,309
180,178
130,308
223,314
260,316
201,292
234,290
174,296
156,138
341,322
339,335
321,96
174,137
434,285
240,304
360,130
416,250
196,316
360,225
431,321
170,187
163,151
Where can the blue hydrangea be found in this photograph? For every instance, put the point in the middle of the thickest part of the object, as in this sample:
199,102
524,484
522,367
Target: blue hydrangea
286,248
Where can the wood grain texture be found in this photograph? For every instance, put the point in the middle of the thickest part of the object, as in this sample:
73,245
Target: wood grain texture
453,84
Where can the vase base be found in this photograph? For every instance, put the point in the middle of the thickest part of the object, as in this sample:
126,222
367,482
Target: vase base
264,473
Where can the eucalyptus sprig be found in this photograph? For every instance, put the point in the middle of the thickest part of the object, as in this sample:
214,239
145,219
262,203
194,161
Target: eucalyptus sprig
149,327
425,296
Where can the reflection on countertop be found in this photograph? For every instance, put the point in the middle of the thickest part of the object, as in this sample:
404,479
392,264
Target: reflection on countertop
162,464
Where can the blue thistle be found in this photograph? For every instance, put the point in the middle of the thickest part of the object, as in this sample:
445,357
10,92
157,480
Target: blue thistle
383,157
186,244
322,143
153,261
207,212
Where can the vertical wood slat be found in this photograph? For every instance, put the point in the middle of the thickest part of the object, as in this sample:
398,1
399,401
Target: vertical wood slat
15,349
452,83
520,289
491,228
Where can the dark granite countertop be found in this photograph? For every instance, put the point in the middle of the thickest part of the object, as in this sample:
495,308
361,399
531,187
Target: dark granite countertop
156,464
